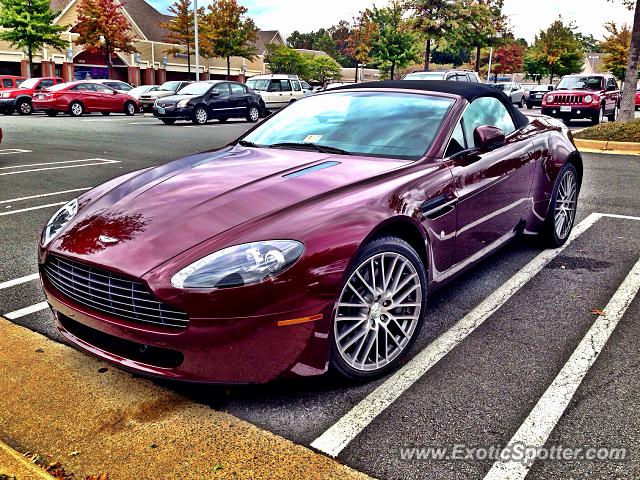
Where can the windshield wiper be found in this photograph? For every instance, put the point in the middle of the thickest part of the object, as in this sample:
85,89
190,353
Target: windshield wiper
314,146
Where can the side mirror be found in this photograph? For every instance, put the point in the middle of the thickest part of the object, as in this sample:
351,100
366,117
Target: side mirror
115,92
611,88
214,94
487,137
550,87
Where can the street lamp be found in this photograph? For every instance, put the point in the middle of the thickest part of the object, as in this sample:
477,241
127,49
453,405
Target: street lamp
195,30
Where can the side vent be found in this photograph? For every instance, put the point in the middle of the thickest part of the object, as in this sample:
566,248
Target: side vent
313,168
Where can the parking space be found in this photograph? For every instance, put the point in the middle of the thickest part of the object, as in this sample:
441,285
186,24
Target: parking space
495,342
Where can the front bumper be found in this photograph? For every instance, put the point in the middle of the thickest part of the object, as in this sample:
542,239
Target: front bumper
7,103
577,111
213,350
173,112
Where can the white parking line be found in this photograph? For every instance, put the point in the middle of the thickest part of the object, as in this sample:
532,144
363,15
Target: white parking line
52,163
94,162
10,151
338,436
18,281
19,199
26,311
535,430
13,212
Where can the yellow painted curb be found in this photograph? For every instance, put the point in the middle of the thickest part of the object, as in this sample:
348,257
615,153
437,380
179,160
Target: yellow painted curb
605,146
94,418
12,464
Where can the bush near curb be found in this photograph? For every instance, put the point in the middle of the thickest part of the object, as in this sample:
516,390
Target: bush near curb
612,132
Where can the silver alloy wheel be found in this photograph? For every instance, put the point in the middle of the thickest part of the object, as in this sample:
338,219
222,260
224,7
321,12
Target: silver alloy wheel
565,208
201,115
76,109
378,311
254,114
25,108
131,109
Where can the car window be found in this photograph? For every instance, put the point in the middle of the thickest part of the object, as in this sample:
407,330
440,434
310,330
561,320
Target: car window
457,142
221,88
274,86
125,87
472,78
305,85
286,85
84,87
296,85
46,83
486,111
612,83
237,89
104,88
462,77
452,77
7,83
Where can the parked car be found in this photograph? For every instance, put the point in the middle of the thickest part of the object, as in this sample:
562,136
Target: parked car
142,89
314,240
451,75
277,91
8,82
202,101
584,96
536,94
512,90
306,88
85,96
118,85
638,99
165,90
20,98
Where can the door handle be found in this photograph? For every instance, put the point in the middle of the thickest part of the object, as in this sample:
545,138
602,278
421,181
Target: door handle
439,205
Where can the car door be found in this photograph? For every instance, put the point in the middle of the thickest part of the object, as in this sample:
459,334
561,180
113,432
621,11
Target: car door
108,100
218,100
273,97
611,94
239,99
492,187
287,92
86,93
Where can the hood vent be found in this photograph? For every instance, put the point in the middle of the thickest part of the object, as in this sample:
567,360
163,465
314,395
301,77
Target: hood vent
313,168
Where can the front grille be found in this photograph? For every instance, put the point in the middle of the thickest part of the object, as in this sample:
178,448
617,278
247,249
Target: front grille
568,99
111,293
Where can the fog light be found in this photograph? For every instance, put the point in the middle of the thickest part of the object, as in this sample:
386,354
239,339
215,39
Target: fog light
554,112
578,112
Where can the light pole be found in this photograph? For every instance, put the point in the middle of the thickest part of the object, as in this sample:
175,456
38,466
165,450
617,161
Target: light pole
490,59
195,30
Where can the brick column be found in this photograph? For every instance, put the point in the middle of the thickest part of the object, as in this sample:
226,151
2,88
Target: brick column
149,77
24,68
133,75
67,72
48,68
161,76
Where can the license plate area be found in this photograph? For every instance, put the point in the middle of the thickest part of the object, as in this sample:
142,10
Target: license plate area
161,110
565,108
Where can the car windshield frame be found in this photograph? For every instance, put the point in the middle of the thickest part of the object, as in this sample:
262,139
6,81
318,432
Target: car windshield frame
276,131
577,78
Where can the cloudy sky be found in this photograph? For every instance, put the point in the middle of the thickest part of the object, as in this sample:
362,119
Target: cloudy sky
527,17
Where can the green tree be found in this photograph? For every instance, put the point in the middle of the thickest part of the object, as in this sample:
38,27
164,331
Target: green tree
28,24
556,51
284,59
181,29
455,57
588,42
394,45
360,40
616,46
228,31
103,27
322,69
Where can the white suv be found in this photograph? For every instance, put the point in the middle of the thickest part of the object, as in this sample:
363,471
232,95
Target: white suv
277,91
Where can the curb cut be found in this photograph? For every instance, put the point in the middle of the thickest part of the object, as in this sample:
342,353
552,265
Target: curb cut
14,464
609,147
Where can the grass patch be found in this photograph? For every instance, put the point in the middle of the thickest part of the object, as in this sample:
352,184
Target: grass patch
612,131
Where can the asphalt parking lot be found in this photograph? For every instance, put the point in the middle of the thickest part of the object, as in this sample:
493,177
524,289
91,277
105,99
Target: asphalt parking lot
496,340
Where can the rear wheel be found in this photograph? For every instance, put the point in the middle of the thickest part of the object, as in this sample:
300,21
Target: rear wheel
51,113
380,309
253,114
129,108
168,121
200,116
76,109
562,207
24,107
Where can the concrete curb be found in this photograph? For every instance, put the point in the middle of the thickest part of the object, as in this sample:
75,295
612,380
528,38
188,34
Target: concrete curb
605,146
94,418
16,465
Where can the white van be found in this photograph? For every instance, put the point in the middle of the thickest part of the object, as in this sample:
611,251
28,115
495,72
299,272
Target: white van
277,91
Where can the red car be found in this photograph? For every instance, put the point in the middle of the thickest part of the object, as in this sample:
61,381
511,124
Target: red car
593,97
313,241
7,82
78,98
20,98
637,99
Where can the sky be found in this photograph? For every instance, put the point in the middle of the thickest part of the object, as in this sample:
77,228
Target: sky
527,17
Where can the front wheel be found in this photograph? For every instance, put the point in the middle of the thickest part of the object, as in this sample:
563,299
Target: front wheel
521,104
200,116
24,107
598,117
76,109
129,109
614,115
562,207
380,309
253,114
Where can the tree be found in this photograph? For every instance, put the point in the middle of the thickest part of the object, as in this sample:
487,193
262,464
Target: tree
181,29
509,59
394,45
433,19
616,46
229,32
322,68
556,51
340,34
360,40
284,59
29,25
455,57
588,42
103,27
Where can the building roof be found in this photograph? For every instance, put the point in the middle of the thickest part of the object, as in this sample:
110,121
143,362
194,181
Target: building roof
265,37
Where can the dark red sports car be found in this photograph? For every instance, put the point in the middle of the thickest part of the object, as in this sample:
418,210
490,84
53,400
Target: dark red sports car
78,98
313,241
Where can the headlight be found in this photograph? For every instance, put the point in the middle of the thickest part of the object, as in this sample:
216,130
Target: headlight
588,99
5,95
239,265
59,220
550,98
183,103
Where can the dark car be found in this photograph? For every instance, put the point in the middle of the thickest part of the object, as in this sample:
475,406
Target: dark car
165,90
593,97
202,101
311,242
536,94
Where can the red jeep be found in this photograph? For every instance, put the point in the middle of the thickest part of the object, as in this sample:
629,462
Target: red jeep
20,98
584,96
10,81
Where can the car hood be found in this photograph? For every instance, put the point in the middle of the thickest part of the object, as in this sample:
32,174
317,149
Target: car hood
575,92
177,98
157,94
161,212
17,91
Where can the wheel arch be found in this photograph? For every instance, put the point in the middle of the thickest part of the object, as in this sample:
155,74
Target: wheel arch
575,158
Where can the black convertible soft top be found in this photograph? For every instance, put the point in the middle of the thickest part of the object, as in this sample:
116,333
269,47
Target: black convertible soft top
468,90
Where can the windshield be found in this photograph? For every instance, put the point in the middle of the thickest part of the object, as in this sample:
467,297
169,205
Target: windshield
57,87
198,88
580,83
425,76
398,125
540,88
169,86
142,89
258,84
501,86
29,83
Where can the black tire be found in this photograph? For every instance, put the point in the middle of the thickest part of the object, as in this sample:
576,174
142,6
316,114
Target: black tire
24,107
168,121
51,113
530,106
253,114
200,116
389,245
598,117
521,103
548,234
223,119
614,115
129,109
8,111
105,114
76,109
